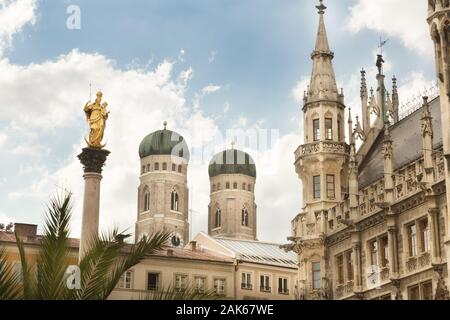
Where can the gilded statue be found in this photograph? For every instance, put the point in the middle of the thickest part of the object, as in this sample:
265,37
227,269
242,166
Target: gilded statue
96,116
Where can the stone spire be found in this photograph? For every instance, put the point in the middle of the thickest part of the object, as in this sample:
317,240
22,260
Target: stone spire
364,102
427,141
323,81
388,153
381,90
351,136
395,99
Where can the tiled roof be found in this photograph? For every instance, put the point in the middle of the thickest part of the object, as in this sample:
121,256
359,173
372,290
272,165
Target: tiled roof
179,253
9,237
407,145
259,252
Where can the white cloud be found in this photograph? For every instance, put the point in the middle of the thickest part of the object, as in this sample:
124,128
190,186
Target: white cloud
298,91
404,19
210,89
212,56
3,138
14,15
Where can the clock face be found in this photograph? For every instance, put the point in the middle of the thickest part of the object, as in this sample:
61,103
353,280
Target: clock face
176,241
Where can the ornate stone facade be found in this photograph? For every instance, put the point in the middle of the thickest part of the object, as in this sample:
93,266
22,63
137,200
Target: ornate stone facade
375,221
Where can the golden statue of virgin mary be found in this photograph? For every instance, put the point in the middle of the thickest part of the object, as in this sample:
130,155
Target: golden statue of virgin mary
96,116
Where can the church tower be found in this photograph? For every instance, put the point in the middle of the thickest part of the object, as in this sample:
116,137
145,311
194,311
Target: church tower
322,165
163,192
439,21
232,208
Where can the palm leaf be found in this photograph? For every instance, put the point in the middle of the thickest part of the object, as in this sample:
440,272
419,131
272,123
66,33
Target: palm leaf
188,294
54,252
137,252
10,287
28,281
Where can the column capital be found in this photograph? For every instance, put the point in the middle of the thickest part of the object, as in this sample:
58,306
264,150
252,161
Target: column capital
93,160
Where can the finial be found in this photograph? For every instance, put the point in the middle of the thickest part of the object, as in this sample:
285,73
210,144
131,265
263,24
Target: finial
232,145
321,7
350,115
165,124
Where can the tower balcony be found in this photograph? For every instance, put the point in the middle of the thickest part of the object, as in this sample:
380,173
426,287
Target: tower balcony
327,147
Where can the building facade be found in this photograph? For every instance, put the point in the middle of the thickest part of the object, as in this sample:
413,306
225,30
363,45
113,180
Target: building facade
374,223
232,208
163,193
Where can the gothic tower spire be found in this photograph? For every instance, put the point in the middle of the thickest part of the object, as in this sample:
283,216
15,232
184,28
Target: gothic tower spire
323,82
322,164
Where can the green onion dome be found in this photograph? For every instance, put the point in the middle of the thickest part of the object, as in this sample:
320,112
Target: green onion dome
164,142
232,161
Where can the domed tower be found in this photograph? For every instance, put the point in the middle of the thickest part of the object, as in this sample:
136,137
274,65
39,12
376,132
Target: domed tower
163,192
232,208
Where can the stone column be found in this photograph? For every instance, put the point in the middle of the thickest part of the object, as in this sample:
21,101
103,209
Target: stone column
93,161
393,258
433,216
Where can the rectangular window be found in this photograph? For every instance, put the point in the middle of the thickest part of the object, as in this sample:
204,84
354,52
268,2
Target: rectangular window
328,129
340,268
316,275
427,290
200,284
164,166
246,281
414,293
126,279
424,236
265,283
316,187
152,281
330,187
283,286
374,253
181,281
412,240
219,286
339,130
384,252
349,263
316,130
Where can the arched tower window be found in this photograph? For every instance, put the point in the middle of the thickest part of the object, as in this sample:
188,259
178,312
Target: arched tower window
244,186
234,185
156,166
174,201
146,200
227,185
316,130
328,129
218,186
218,218
244,217
179,169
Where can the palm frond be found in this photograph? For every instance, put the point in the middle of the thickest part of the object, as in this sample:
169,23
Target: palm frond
136,253
10,287
103,252
190,293
54,252
28,281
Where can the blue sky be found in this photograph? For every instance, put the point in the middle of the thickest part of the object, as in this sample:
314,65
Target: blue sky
253,53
